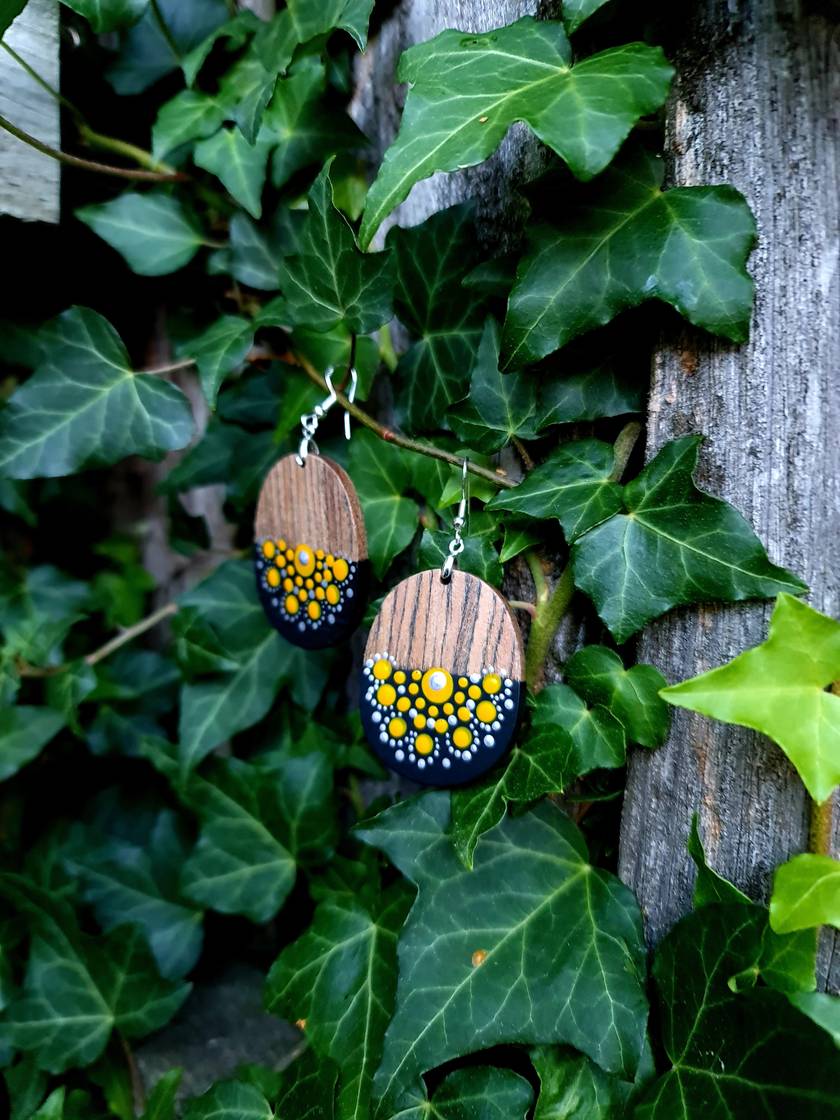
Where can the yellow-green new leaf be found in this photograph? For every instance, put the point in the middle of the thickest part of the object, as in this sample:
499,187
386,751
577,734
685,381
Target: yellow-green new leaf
806,893
465,91
779,689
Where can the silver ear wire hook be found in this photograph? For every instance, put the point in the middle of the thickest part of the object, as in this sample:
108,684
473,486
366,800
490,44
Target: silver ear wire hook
310,420
456,545
351,396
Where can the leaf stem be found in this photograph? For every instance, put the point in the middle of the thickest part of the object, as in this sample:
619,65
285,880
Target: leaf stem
521,605
547,619
170,367
138,1089
131,151
625,441
87,164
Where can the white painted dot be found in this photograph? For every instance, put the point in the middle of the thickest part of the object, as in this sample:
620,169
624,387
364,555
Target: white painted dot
437,681
496,725
508,704
349,592
508,682
471,705
377,717
401,689
475,678
412,712
399,755
421,764
489,740
369,664
453,720
383,738
446,763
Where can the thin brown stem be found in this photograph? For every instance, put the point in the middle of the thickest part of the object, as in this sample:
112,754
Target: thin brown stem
523,453
520,605
87,164
138,1089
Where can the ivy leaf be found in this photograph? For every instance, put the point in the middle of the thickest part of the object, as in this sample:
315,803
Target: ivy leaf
245,91
380,474
806,893
674,545
25,1086
444,319
236,31
24,732
310,20
239,165
149,52
465,91
230,1100
778,688
299,777
340,977
597,736
709,886
500,407
575,12
588,393
822,1009
573,1088
632,695
78,989
153,232
253,256
9,11
61,419
732,1054
473,971
627,242
127,882
219,351
575,484
308,129
330,281
307,1088
161,1102
108,15
238,866
476,1093
479,556
188,116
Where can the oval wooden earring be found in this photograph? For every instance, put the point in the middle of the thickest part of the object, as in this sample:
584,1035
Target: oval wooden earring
310,545
443,676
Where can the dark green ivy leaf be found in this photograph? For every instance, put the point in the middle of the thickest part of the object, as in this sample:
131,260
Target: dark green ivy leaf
674,544
479,556
576,11
149,52
153,232
588,393
230,1100
245,91
24,732
576,484
444,319
190,115
340,977
627,242
62,419
219,351
475,1093
574,1088
533,944
465,91
632,695
108,15
239,165
380,473
253,255
330,281
307,1088
236,32
9,11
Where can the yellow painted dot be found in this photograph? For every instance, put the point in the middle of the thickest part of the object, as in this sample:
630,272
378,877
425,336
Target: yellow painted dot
399,676
330,559
341,569
303,595
319,553
273,577
268,549
326,576
290,571
465,715
440,726
403,704
386,694
437,684
419,722
424,744
463,682
319,593
299,581
486,711
414,689
281,544
448,709
474,691
333,594
433,710
290,554
314,610
382,669
288,585
292,604
459,697
416,674
420,702
309,584
397,727
492,683
462,737
304,560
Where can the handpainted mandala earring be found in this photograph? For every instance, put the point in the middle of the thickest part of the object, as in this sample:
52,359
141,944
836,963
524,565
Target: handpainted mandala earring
443,674
310,546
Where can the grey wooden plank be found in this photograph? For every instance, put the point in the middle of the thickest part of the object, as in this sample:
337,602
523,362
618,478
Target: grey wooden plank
29,180
756,105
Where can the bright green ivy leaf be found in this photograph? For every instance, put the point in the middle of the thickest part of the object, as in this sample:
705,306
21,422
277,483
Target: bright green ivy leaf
230,1100
822,1009
745,1054
465,91
380,474
63,419
330,281
219,351
672,545
308,129
632,695
161,1101
78,989
444,319
573,1088
239,165
108,15
24,732
806,893
340,976
153,232
576,484
561,952
500,406
575,12
597,736
627,242
779,689
189,116
476,1093
518,538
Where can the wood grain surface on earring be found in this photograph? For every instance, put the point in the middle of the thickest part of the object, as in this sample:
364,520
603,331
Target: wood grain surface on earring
442,679
310,552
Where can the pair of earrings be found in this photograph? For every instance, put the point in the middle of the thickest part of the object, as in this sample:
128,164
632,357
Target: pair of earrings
443,670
